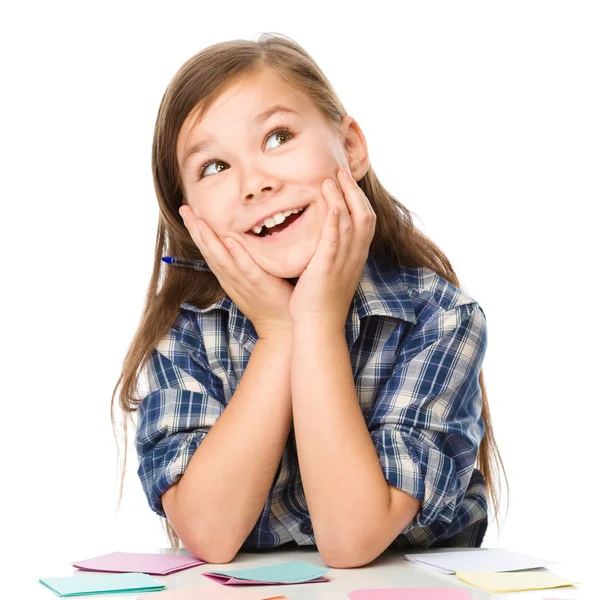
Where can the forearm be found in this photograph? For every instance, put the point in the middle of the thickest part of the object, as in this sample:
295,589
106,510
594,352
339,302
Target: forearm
225,485
346,491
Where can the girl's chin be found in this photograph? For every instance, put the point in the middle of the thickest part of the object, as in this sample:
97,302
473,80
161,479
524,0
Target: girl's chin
291,262
287,274
290,272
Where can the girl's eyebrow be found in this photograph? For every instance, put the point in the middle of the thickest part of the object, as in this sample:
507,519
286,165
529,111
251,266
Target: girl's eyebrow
257,120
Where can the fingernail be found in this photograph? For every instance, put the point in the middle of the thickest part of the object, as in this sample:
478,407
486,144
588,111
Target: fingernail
331,184
345,173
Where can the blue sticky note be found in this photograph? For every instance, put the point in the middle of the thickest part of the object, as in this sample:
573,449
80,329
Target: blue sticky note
289,572
80,585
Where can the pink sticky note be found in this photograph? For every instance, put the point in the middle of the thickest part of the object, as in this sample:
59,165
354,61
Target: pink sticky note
411,594
132,562
229,580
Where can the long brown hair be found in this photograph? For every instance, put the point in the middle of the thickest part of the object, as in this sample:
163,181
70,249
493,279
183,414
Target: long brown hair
396,240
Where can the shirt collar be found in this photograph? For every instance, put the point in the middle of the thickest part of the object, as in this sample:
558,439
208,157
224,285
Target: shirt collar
378,293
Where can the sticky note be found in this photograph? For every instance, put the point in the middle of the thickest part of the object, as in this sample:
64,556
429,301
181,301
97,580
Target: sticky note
131,562
411,594
290,572
76,585
514,581
486,560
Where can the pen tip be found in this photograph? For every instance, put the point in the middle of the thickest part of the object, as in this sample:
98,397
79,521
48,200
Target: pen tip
167,259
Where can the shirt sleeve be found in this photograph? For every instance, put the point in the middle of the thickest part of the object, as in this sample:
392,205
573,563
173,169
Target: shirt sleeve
426,421
184,401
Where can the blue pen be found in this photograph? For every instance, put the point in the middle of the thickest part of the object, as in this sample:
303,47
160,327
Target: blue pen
198,265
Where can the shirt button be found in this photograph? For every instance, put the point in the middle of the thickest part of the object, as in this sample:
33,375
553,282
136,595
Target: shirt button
306,527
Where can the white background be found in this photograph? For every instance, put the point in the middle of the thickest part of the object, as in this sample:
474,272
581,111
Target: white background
480,117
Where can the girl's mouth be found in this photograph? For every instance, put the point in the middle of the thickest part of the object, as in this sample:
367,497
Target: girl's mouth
288,226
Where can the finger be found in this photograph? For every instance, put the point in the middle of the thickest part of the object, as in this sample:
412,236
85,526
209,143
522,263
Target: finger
328,245
244,262
344,221
213,250
358,203
190,223
335,194
362,212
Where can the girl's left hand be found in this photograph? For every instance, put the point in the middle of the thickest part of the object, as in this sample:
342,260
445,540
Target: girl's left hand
325,289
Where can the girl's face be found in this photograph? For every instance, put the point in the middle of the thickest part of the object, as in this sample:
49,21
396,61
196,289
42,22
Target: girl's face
253,171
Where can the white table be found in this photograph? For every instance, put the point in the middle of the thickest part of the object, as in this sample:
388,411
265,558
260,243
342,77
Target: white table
389,570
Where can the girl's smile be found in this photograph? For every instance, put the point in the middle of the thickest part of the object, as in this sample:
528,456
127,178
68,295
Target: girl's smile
282,232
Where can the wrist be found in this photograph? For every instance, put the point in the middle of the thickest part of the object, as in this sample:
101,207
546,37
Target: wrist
317,326
276,333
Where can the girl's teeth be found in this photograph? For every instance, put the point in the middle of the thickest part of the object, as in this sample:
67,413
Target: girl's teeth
276,219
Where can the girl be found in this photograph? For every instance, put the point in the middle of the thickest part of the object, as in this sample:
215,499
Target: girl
320,383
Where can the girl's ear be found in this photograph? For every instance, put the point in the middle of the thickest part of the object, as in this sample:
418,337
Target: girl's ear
354,145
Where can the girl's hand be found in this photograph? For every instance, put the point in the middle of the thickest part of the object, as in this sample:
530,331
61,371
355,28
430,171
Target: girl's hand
325,289
261,297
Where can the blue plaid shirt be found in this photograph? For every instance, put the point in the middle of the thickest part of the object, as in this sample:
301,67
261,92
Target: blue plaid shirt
416,345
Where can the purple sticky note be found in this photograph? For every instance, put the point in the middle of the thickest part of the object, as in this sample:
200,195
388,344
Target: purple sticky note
133,562
228,580
287,573
411,594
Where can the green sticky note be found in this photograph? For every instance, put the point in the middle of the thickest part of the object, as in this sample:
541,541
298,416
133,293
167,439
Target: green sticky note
82,585
290,572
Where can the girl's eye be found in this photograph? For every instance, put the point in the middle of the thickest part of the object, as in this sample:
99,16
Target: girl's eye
279,130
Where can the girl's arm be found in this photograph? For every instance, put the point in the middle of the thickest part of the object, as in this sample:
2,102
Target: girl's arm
347,494
409,462
216,503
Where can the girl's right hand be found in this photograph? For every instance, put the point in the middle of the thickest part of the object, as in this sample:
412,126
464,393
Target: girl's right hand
262,297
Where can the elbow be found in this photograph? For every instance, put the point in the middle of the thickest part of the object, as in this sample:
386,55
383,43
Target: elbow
214,549
347,558
211,553
352,551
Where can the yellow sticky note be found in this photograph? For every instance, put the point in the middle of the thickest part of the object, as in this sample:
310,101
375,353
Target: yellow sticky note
514,581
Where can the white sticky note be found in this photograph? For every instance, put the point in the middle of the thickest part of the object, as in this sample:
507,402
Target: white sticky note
485,560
